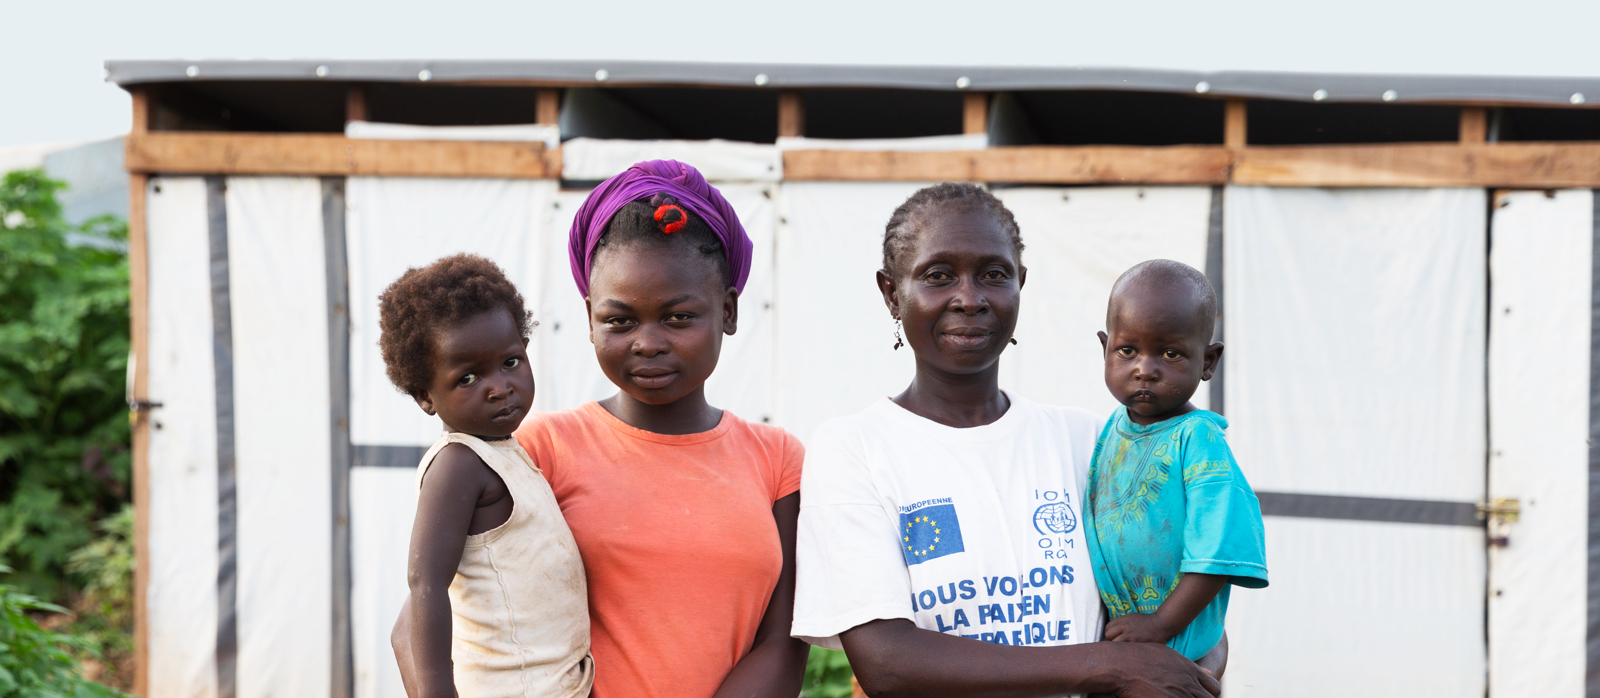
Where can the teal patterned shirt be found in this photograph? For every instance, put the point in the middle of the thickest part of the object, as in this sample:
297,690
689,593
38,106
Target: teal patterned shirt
1168,499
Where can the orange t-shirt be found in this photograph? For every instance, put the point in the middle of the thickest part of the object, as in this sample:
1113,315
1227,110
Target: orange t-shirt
677,538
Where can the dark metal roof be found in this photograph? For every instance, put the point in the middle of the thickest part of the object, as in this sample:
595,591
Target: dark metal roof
1543,91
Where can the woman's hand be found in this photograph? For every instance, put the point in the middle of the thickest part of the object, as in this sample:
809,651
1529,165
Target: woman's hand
1147,670
896,658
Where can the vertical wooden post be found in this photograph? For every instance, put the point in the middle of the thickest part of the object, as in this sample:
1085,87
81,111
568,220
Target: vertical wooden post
548,109
1474,125
791,115
139,308
1233,124
141,111
355,104
975,113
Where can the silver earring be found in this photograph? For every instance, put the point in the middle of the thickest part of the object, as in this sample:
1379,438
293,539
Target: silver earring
897,341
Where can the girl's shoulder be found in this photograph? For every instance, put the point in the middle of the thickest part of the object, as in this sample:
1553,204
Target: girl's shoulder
539,423
542,434
769,436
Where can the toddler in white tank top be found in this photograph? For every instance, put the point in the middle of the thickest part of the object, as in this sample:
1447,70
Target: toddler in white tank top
499,605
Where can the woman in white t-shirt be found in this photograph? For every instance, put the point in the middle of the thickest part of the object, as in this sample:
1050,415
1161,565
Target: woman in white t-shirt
939,540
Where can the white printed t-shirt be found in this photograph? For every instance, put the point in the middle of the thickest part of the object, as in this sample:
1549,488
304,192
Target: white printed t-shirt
972,532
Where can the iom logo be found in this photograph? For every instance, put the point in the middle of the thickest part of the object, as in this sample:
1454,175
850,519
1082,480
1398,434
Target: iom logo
1055,517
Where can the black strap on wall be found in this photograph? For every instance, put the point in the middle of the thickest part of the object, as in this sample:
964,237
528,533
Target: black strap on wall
369,456
1338,507
227,656
342,659
1214,270
1592,670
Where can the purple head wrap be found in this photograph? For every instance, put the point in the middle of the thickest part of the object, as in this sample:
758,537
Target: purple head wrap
642,181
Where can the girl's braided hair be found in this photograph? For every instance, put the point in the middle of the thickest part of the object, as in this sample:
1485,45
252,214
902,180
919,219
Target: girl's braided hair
661,221
906,225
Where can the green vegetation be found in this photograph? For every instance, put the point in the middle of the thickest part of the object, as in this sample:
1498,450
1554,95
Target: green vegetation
827,675
38,663
64,434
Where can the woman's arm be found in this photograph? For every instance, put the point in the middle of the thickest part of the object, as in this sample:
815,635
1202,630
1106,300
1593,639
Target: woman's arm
776,665
896,658
450,492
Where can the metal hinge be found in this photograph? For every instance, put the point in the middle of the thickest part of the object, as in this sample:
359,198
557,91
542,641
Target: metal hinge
1499,514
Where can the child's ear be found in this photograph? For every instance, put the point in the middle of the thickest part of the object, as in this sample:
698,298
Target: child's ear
1104,339
426,403
1212,358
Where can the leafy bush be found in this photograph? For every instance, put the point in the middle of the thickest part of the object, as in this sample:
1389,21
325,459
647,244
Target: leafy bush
103,611
64,457
827,675
37,663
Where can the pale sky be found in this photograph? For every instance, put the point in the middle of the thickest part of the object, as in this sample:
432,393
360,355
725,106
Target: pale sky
52,51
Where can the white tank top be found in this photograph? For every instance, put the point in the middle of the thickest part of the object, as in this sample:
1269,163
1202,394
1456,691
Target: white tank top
519,602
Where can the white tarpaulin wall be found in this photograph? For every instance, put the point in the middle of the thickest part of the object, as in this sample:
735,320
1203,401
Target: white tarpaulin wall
220,586
1539,266
393,224
182,594
1078,241
1356,333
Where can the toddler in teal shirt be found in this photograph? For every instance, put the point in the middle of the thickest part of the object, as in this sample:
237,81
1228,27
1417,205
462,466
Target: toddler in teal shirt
1171,522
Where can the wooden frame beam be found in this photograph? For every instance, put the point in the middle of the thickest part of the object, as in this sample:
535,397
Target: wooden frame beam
548,108
1511,165
791,115
355,104
1235,133
334,155
1514,165
1474,125
1025,164
139,396
1519,165
975,113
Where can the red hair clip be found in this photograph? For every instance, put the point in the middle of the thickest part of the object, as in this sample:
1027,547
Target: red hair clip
669,223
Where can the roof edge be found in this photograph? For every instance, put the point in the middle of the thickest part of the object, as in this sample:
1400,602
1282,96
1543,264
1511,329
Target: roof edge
1306,87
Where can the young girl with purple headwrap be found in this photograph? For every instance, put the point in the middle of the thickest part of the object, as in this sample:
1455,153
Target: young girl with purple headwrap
684,513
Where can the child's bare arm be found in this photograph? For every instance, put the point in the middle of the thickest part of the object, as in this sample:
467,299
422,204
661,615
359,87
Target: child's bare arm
1176,613
450,495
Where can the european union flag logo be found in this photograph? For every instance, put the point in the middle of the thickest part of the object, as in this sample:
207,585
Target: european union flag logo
930,532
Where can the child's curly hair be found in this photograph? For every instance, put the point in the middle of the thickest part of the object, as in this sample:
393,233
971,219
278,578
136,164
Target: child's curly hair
423,302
